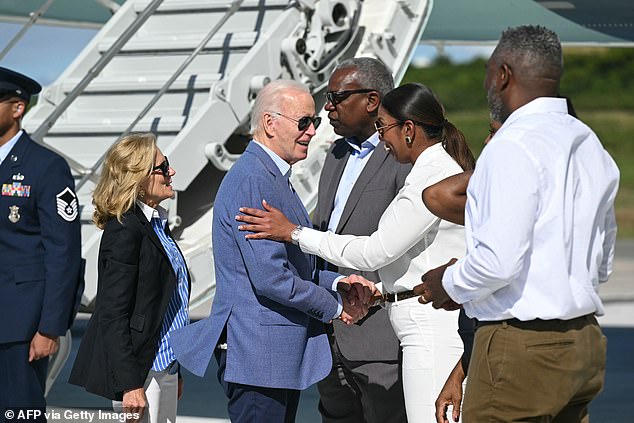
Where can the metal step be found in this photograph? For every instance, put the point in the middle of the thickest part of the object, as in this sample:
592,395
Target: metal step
158,43
116,125
149,69
147,82
206,5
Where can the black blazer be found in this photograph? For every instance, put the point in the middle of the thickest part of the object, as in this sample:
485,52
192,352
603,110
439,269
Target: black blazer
135,284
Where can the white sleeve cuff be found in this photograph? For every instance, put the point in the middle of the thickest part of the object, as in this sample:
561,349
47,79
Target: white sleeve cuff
448,282
336,281
309,240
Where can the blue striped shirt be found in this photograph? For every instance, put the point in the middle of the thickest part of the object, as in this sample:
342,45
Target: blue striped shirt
177,313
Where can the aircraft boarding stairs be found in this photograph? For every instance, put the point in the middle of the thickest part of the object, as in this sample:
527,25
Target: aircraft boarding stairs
188,70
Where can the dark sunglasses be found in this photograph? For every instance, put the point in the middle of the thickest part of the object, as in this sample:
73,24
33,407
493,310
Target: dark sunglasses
303,122
164,167
336,97
381,129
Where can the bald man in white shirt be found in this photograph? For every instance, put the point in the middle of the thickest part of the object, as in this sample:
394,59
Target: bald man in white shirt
540,230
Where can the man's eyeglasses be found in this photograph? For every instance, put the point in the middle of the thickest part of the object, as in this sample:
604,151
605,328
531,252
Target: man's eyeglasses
164,168
381,129
336,97
303,122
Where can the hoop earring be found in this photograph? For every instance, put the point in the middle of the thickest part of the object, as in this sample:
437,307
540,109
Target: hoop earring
141,193
408,140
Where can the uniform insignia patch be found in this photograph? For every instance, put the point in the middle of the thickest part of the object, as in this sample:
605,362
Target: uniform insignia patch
14,215
67,205
16,189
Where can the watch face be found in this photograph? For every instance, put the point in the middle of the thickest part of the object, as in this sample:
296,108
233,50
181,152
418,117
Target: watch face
295,235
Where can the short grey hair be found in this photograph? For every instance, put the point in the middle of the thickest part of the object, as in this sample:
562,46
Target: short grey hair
534,49
371,73
271,97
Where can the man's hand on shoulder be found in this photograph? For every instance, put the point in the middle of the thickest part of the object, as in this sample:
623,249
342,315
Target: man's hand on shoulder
43,346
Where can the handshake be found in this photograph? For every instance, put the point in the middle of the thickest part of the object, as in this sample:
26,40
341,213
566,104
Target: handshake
358,295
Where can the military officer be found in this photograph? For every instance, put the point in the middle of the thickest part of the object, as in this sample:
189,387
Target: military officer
41,275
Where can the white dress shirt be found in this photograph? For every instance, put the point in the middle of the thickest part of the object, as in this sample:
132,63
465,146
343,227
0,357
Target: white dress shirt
150,212
539,220
409,241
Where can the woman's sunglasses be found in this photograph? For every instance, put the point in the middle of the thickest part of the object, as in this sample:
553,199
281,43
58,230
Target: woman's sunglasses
303,122
382,129
164,167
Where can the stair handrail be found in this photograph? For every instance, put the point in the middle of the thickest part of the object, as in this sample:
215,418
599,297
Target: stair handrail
39,134
34,16
233,8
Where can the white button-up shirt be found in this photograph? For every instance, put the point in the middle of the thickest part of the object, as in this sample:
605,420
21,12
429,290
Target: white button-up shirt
539,220
409,240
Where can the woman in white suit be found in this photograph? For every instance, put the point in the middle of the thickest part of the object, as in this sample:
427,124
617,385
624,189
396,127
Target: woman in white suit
409,240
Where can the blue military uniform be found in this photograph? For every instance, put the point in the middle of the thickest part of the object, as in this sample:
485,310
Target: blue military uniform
41,276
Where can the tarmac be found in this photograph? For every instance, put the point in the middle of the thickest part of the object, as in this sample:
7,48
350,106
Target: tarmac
204,401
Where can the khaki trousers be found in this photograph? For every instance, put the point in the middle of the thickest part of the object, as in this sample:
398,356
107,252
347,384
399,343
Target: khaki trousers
536,371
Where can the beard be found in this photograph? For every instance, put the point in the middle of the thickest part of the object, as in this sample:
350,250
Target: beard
495,103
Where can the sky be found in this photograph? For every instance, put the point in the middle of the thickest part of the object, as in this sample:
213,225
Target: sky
45,51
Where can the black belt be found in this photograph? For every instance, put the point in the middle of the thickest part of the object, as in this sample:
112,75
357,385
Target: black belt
398,296
538,324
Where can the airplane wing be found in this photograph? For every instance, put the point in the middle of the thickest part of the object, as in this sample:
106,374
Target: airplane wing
583,22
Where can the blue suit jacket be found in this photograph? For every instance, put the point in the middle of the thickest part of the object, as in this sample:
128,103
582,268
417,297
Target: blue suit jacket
40,246
266,293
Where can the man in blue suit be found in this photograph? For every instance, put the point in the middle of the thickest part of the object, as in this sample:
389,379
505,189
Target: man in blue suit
40,251
266,327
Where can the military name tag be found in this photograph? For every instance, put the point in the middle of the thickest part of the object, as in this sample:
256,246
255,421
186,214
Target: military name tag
16,189
14,215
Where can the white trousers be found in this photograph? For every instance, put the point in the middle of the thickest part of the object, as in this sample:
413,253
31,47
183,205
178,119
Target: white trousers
161,391
431,348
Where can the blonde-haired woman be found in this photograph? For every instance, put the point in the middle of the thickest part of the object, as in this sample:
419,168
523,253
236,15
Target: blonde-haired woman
143,286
